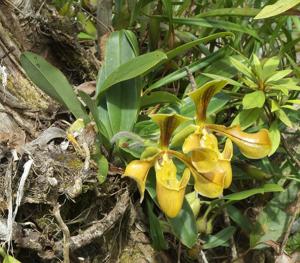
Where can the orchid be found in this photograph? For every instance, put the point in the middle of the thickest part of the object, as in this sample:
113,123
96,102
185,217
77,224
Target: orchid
210,168
170,190
213,167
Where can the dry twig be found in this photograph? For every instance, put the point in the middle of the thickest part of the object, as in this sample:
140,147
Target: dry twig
65,230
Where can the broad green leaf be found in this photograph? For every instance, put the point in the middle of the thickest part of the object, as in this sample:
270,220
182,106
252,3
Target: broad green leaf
294,101
246,118
184,225
257,67
219,239
85,36
285,85
252,171
273,219
135,67
241,220
284,118
290,107
185,47
255,99
158,97
118,107
103,167
91,104
241,67
279,75
274,136
53,82
261,190
87,24
156,233
10,259
279,7
270,66
274,105
218,77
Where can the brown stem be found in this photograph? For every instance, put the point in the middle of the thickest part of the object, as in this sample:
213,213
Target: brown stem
290,153
295,211
65,230
234,254
191,79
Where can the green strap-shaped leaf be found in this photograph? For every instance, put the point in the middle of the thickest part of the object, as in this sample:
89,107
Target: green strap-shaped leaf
52,81
185,47
118,106
156,233
277,8
219,239
267,188
213,23
133,68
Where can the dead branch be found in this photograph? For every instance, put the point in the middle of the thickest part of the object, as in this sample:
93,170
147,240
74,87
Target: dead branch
66,232
34,240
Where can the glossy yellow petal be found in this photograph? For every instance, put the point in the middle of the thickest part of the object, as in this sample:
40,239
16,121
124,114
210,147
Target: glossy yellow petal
203,95
192,142
170,197
206,187
228,150
138,171
169,190
226,167
209,141
252,145
204,160
167,124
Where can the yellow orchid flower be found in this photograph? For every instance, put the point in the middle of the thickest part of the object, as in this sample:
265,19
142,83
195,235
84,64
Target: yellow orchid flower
170,191
213,167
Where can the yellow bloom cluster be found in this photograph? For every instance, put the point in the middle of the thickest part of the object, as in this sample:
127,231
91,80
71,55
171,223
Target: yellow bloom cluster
210,168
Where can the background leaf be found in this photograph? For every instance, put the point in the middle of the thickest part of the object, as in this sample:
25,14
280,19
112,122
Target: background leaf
277,8
53,82
219,239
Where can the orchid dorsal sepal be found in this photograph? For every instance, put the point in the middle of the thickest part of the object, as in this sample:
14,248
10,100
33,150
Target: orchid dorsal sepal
252,145
167,124
202,96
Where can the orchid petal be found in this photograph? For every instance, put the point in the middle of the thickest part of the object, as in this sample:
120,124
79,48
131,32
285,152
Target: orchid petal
167,124
227,170
192,142
204,160
209,141
252,145
203,95
206,187
138,171
170,191
228,150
